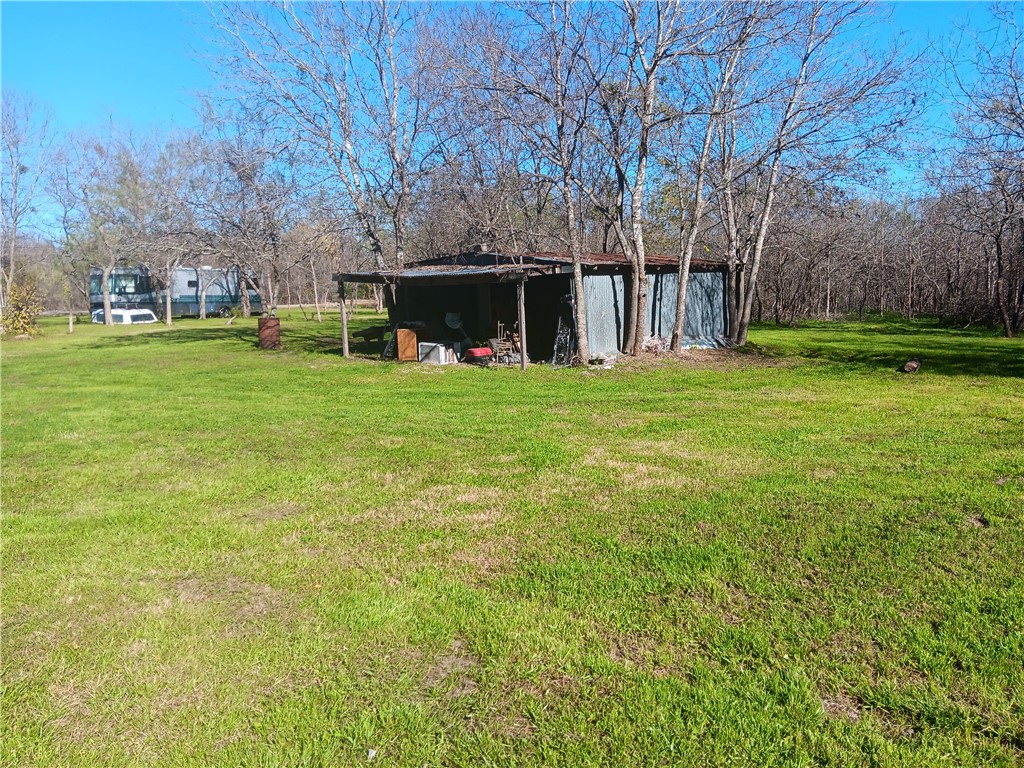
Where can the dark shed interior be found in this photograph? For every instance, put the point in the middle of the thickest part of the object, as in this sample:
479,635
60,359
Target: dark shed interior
483,306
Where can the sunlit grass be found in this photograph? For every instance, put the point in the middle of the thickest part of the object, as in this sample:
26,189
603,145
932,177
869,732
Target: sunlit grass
215,555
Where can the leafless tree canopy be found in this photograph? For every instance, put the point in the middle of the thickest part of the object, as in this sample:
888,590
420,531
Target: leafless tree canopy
370,134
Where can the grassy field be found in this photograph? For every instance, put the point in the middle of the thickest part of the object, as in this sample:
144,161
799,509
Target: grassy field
214,555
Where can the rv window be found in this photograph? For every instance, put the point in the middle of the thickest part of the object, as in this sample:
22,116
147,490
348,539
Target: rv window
193,283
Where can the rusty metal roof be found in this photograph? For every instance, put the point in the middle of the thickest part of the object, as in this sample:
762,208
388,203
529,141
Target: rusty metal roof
447,274
601,259
561,257
508,267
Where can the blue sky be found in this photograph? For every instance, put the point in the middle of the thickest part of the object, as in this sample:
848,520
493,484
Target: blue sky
135,63
140,64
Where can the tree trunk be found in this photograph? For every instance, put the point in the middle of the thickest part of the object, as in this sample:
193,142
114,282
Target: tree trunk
755,262
686,256
1000,286
316,292
243,296
575,249
108,318
169,272
204,287
640,266
735,298
288,294
7,275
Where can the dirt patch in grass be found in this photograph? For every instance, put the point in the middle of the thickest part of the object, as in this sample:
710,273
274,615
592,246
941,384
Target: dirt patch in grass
704,359
641,475
705,531
851,647
632,474
815,578
74,698
892,727
551,684
689,456
81,722
730,603
511,726
486,560
841,706
622,420
441,505
453,671
635,651
281,510
242,601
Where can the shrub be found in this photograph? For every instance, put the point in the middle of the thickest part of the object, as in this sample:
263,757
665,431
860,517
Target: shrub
23,307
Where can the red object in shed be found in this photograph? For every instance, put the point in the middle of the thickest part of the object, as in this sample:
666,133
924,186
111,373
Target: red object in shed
478,355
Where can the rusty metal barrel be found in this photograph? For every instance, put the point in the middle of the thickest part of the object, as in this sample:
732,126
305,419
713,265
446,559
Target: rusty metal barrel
270,332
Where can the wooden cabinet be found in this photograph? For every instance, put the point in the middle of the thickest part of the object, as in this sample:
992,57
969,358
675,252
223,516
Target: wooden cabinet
407,347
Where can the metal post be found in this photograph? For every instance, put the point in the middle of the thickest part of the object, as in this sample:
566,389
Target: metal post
344,319
521,291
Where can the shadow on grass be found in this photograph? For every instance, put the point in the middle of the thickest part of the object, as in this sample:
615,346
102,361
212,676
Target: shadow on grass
174,335
896,326
876,345
296,336
887,345
963,360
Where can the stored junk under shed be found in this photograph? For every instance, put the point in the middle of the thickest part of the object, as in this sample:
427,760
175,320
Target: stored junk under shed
488,300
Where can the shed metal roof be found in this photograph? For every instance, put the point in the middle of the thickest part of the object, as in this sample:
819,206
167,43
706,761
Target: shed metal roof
479,267
431,274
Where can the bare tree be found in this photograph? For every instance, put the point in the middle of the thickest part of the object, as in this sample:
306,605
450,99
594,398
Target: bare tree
990,135
640,43
493,189
712,75
103,190
25,145
245,196
530,60
820,104
175,235
355,86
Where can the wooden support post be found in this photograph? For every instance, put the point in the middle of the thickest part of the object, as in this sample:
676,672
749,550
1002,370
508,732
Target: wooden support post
344,319
521,291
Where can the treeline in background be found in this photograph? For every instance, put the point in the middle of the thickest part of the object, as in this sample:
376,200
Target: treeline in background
837,168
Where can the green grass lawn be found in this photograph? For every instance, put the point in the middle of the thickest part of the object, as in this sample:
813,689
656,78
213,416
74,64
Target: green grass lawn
216,555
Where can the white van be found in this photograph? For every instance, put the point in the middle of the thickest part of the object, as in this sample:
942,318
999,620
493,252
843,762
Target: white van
125,316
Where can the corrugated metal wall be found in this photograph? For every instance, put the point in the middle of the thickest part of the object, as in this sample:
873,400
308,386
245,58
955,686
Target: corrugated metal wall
606,312
705,305
606,308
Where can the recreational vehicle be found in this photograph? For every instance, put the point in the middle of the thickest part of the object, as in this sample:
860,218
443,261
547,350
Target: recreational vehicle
220,288
136,288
